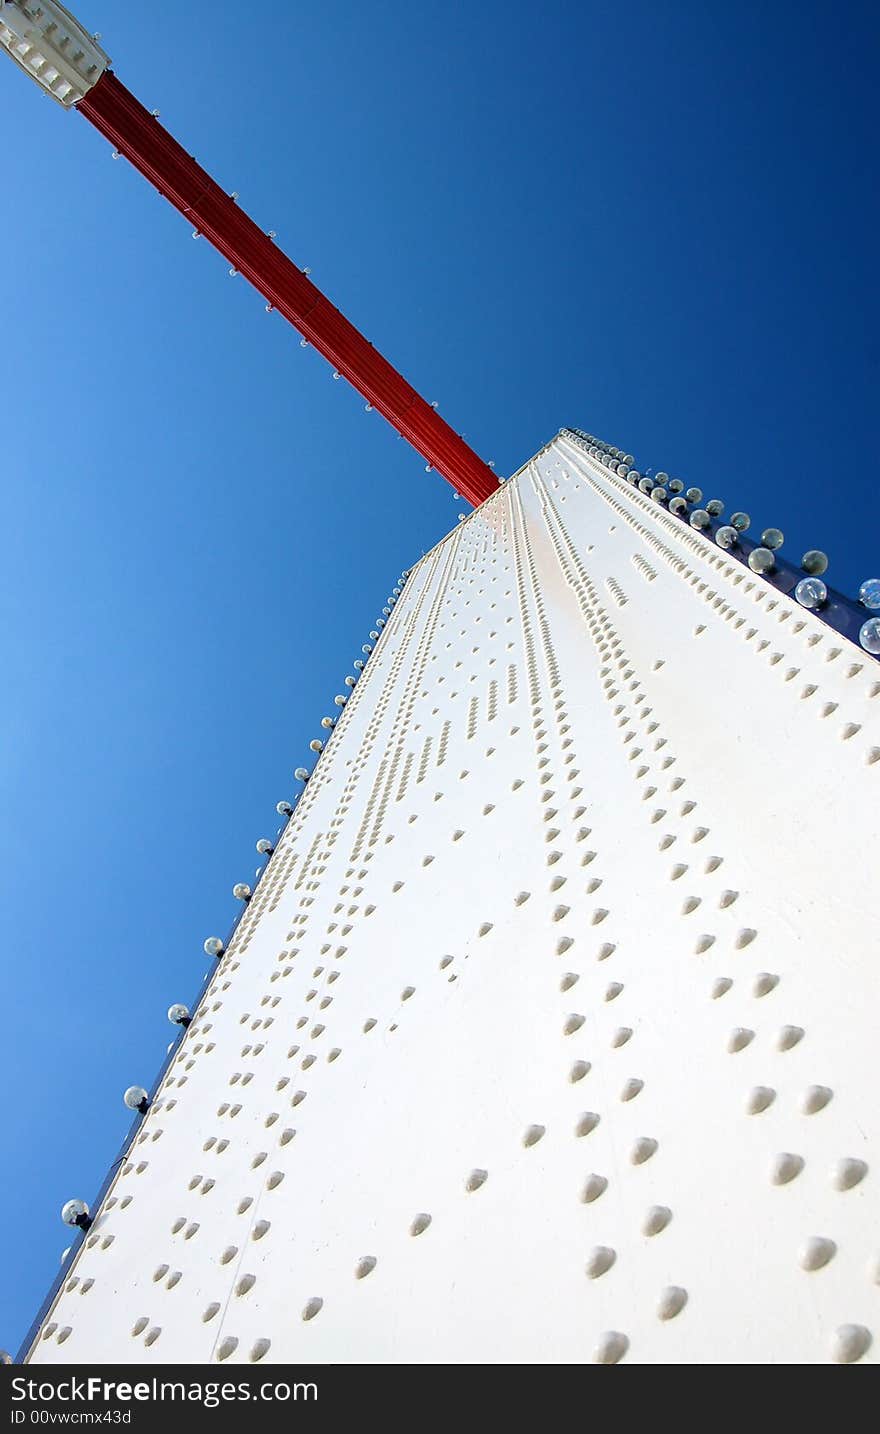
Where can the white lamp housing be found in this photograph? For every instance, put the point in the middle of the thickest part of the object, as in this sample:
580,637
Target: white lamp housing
45,41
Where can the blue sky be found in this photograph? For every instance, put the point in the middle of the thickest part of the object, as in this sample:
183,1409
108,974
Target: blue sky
656,221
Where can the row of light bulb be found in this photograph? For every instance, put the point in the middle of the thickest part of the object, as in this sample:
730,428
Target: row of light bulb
810,592
76,1212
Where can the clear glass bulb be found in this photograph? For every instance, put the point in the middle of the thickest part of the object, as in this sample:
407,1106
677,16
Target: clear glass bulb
869,593
241,891
761,560
135,1097
74,1211
178,1014
213,946
814,562
811,592
869,635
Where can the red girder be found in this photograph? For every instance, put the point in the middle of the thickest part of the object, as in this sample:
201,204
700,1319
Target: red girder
137,134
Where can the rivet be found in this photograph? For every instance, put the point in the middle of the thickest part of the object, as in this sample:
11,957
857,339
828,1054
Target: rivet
849,1342
816,1252
610,1348
671,1302
815,1098
656,1219
788,1037
848,1173
594,1186
785,1167
599,1261
643,1149
586,1123
759,1098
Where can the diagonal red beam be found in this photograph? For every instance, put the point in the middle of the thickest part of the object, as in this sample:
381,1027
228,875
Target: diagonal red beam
137,134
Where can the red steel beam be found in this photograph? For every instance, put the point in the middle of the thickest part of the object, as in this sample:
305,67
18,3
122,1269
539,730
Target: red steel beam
137,134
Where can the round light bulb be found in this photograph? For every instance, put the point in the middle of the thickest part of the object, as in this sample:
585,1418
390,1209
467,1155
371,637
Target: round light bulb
815,562
241,891
740,521
265,847
302,774
661,478
700,518
284,809
727,536
869,594
178,1014
76,1212
658,494
675,485
869,635
772,538
350,681
678,506
694,495
316,745
213,946
761,560
340,700
136,1098
714,507
811,592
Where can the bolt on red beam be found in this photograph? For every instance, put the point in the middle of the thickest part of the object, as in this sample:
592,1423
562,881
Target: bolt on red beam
137,135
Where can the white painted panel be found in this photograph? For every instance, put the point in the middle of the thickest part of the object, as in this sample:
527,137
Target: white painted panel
578,910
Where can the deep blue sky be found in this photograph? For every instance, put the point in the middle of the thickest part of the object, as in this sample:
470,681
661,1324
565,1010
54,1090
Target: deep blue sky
656,221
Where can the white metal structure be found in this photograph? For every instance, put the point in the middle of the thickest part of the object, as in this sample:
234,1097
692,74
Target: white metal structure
51,46
550,1033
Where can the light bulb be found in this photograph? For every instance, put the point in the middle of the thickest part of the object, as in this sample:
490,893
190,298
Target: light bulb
761,560
772,538
869,635
815,562
179,1015
213,946
811,592
869,593
301,774
265,847
136,1098
241,891
76,1212
284,809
